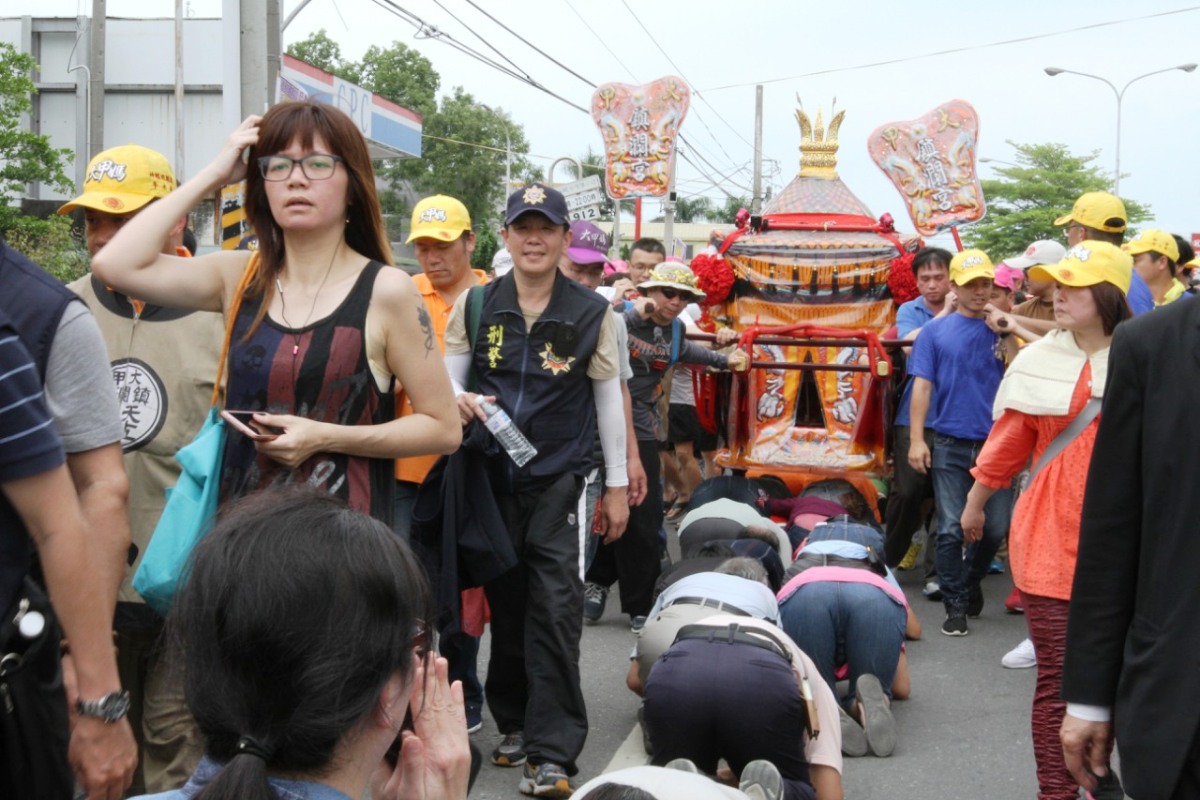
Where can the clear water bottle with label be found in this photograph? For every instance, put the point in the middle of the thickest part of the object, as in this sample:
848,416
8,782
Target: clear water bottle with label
508,434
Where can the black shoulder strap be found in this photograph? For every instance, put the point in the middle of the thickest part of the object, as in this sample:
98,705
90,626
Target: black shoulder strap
474,313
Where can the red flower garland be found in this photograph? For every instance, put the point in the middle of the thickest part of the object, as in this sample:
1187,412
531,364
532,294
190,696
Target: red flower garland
714,276
901,281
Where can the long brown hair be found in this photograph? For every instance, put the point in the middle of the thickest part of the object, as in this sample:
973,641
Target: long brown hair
1111,305
304,121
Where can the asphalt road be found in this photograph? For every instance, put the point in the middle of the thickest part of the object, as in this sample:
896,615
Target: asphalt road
964,732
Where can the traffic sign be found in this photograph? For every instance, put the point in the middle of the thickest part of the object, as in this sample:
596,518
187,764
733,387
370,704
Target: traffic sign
584,198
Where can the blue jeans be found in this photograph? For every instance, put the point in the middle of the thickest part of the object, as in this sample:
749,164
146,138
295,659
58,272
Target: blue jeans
592,542
402,505
855,624
958,571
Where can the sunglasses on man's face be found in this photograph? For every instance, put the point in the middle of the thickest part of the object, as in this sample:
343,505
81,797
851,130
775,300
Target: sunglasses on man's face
671,294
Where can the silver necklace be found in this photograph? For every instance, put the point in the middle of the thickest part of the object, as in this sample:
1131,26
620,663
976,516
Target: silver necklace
311,309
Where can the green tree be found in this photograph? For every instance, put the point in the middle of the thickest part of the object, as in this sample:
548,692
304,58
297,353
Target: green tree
693,209
324,53
487,244
25,157
729,209
402,75
453,163
464,140
1042,186
52,244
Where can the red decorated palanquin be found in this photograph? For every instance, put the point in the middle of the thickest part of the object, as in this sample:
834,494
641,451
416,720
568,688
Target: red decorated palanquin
807,284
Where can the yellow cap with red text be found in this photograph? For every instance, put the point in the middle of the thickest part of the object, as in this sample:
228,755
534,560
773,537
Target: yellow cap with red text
439,217
969,265
1088,263
123,179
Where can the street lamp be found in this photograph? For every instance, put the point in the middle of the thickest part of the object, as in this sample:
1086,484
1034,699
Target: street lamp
1120,94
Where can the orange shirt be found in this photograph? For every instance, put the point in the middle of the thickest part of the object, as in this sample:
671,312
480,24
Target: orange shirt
415,468
1043,540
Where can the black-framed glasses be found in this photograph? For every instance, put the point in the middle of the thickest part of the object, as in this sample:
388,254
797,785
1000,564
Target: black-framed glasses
671,294
316,167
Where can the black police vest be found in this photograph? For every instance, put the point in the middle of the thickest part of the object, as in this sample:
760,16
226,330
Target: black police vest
34,302
540,376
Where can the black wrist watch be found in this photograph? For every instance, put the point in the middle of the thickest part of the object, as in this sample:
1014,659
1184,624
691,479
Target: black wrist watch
110,708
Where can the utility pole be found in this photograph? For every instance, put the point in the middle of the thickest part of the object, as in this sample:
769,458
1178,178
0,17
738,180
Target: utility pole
756,201
179,166
95,97
260,53
669,206
616,229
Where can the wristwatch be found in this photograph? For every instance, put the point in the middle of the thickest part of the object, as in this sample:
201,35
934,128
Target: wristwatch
110,708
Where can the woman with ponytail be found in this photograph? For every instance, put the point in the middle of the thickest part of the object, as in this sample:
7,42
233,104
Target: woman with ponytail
302,633
325,327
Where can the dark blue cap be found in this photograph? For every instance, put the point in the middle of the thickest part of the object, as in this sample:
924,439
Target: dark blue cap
540,198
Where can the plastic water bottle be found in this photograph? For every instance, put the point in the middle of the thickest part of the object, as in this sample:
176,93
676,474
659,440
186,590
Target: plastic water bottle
508,434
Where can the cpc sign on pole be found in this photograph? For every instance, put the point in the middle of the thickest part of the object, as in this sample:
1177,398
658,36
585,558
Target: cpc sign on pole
355,101
584,198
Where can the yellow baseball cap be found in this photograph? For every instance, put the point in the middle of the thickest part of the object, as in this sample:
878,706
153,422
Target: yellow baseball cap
1153,241
439,217
1088,263
123,179
969,265
1099,210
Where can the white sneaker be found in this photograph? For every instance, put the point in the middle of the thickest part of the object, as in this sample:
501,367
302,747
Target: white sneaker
1020,657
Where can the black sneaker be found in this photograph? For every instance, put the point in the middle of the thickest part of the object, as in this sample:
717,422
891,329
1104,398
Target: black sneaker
1107,788
595,597
637,622
474,719
511,751
974,601
545,780
760,780
955,625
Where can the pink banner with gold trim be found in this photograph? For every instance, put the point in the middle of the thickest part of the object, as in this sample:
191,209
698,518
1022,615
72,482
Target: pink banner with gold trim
639,125
931,161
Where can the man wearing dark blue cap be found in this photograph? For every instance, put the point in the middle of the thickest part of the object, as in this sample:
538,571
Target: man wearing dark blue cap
544,350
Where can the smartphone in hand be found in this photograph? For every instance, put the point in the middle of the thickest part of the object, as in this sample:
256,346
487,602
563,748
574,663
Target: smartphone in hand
243,422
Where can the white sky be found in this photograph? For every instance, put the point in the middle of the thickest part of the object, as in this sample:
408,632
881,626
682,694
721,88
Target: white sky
776,40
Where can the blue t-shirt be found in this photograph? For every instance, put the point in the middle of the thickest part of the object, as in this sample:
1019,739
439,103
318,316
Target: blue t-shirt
910,316
957,354
1139,297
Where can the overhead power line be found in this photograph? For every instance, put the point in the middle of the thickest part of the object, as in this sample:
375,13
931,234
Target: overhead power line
955,50
430,31
487,43
695,147
600,39
427,30
703,99
529,43
491,148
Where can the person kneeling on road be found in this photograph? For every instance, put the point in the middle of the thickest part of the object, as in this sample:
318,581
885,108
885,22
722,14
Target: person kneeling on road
844,607
738,586
738,688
